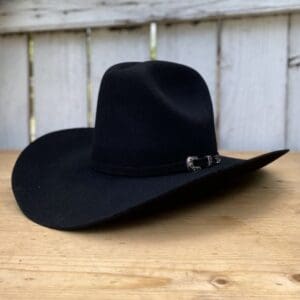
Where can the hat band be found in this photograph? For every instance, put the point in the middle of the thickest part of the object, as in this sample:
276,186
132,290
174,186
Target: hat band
191,164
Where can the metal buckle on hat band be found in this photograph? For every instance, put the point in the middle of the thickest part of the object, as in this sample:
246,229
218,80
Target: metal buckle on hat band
191,163
195,163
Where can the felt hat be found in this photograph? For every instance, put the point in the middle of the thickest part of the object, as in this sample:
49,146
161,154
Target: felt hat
154,134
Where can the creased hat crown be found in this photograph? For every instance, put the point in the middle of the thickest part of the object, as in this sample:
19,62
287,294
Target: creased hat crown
151,115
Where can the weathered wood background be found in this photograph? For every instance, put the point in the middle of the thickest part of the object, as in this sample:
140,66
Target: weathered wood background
53,55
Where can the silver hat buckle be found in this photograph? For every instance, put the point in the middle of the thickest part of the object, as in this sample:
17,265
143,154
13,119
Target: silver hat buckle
190,163
193,163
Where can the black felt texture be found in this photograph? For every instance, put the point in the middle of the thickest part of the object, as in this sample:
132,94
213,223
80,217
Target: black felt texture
150,114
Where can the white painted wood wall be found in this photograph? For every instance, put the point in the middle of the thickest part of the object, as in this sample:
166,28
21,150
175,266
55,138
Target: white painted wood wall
251,64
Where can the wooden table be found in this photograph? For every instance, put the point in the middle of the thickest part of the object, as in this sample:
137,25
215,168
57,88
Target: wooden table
244,243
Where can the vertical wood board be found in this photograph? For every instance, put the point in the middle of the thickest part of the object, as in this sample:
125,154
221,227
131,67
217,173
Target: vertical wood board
60,81
14,129
253,83
293,113
109,47
194,45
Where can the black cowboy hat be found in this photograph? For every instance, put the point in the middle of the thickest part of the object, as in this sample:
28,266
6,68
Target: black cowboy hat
154,135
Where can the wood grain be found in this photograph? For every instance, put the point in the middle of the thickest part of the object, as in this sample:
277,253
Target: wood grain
60,81
194,45
238,243
109,47
36,15
13,92
293,109
253,83
258,103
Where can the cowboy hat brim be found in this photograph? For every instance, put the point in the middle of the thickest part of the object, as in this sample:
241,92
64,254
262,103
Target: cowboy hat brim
55,186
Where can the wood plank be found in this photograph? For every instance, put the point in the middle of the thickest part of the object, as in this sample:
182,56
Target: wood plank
36,15
253,83
194,45
293,113
109,47
13,92
60,81
222,247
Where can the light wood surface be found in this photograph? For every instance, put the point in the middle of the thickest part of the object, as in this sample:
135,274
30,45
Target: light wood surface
238,243
36,15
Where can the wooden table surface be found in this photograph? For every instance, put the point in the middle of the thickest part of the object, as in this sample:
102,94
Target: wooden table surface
239,243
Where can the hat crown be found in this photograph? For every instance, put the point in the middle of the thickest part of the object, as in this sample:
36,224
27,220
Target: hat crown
151,114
